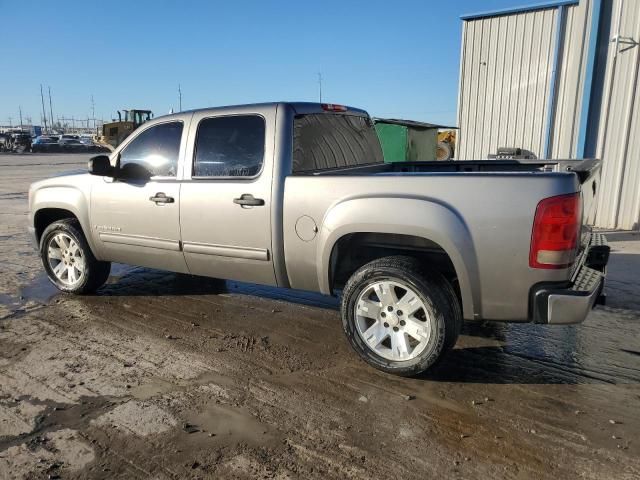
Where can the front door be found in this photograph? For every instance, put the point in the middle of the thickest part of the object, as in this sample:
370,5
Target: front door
225,206
136,216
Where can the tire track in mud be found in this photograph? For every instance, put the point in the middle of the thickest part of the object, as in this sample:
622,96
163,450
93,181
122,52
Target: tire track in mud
275,396
334,449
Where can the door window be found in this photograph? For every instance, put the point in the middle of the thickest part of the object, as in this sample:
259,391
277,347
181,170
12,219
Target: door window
153,153
229,146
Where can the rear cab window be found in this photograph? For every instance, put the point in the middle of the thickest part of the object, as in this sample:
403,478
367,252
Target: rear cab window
323,141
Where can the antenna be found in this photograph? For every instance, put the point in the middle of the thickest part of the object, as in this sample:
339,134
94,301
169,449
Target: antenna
320,85
180,97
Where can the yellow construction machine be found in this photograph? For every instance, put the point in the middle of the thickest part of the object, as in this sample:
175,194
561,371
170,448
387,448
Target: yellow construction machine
446,148
113,133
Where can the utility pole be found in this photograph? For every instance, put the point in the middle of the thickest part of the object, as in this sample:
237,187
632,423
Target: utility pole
180,97
10,124
44,112
320,85
50,108
20,110
93,112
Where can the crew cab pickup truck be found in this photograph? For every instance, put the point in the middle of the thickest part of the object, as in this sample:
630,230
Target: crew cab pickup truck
297,195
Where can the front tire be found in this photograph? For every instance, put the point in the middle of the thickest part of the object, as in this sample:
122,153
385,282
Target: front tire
400,317
68,260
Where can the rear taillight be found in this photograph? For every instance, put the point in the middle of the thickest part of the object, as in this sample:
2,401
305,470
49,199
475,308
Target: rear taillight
556,231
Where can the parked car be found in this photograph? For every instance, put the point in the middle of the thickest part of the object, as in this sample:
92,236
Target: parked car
69,136
297,195
5,140
44,144
92,146
72,145
18,142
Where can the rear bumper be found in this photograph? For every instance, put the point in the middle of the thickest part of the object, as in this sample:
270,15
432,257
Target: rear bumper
571,302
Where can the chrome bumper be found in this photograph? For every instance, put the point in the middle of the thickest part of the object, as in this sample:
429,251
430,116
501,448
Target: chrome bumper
571,302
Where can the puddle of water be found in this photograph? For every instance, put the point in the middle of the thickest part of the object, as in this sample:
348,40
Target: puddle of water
231,423
597,351
9,301
39,290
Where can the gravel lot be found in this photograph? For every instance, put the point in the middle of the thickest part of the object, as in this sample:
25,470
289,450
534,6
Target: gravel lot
158,376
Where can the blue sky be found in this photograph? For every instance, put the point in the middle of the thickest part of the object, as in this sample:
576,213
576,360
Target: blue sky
395,59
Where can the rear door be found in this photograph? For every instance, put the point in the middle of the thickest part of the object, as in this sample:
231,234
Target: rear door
225,207
136,217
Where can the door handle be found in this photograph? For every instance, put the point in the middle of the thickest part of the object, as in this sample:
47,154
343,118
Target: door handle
161,198
247,200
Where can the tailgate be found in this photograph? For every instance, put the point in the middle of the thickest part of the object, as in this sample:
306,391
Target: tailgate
588,172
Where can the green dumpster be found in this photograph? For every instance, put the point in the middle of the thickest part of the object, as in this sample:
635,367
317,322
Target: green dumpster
407,140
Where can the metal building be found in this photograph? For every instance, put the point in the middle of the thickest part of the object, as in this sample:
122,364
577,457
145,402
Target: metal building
559,79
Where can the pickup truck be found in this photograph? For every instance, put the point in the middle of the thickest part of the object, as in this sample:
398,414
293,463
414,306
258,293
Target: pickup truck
297,195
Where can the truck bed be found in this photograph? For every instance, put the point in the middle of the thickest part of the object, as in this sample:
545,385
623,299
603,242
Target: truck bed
583,168
486,208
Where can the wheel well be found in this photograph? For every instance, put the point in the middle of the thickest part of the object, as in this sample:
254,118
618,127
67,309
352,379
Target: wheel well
357,249
45,217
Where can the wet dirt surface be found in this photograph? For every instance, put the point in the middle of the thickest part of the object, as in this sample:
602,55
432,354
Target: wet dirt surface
168,376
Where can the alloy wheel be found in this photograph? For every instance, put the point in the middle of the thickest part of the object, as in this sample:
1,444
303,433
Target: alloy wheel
393,320
66,259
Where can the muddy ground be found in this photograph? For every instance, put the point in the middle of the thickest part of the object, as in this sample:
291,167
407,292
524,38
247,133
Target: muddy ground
156,377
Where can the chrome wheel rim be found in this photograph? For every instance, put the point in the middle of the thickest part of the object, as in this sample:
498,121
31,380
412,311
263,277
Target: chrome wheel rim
66,259
393,320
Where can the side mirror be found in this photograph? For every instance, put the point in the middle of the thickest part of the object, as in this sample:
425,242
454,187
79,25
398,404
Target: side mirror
101,166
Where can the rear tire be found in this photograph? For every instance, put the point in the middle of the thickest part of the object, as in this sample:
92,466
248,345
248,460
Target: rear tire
399,316
68,259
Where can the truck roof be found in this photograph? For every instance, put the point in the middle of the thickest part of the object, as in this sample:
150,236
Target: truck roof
298,107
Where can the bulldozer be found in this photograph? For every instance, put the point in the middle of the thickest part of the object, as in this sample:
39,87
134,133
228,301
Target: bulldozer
446,148
113,133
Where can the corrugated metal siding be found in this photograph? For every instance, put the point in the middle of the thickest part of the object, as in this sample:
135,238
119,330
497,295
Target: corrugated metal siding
574,53
505,74
619,136
506,70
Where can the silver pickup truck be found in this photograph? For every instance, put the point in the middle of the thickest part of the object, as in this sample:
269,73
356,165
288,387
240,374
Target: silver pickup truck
297,195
